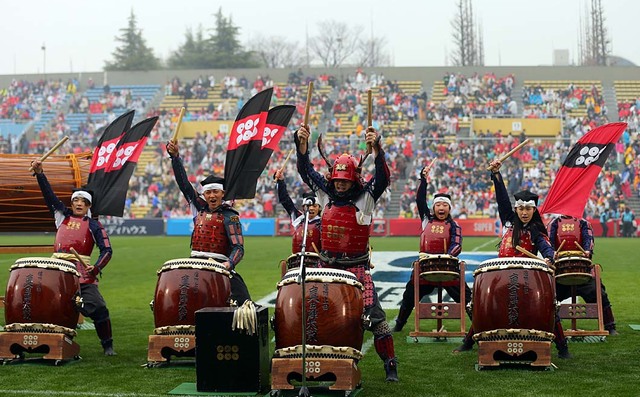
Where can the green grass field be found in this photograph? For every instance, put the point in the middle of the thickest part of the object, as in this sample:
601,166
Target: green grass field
611,368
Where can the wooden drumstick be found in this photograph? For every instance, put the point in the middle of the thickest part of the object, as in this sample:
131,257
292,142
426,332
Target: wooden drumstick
527,253
308,104
285,160
445,245
512,151
580,248
561,244
313,244
53,149
174,138
77,255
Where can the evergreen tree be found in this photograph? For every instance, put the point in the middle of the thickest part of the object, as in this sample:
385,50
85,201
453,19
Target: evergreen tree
193,54
133,53
226,51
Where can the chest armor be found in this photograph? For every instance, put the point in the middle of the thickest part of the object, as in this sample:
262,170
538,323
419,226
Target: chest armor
506,245
341,233
434,236
569,231
313,236
74,233
209,234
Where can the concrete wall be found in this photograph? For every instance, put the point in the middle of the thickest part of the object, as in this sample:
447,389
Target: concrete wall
425,74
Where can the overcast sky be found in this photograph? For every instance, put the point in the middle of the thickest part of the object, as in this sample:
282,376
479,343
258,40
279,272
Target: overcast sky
79,34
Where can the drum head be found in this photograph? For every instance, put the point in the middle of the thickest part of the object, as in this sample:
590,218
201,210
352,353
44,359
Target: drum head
440,275
573,278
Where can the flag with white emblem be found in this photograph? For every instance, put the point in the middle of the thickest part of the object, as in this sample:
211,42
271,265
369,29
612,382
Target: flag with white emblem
576,178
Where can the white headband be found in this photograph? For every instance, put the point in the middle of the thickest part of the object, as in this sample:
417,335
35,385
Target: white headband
530,203
212,186
81,193
441,199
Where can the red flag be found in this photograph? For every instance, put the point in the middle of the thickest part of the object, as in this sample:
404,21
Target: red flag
575,179
245,143
107,143
111,190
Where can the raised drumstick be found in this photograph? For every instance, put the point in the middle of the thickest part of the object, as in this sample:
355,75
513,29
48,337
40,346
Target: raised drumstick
308,104
174,138
527,253
53,149
512,151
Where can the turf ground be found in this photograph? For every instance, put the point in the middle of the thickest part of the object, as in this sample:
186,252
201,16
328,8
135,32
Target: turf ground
611,368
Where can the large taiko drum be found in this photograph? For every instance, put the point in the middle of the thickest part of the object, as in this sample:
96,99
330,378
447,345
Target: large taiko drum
42,291
573,268
333,305
513,295
21,205
186,285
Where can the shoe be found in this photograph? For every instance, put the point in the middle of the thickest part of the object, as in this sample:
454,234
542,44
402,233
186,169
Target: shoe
399,325
612,332
391,369
464,347
564,354
108,351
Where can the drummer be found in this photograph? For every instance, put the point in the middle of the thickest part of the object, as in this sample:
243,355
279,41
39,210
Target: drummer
577,235
346,224
524,228
440,235
217,231
77,230
310,201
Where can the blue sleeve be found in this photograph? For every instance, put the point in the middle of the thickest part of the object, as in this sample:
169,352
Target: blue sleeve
381,180
309,175
502,198
455,246
103,243
542,243
234,233
53,202
183,183
586,232
421,200
553,232
285,200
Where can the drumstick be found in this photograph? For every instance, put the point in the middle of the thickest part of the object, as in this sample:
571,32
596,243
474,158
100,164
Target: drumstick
369,118
75,253
174,138
445,245
561,244
527,253
308,104
53,149
512,151
580,248
285,160
313,244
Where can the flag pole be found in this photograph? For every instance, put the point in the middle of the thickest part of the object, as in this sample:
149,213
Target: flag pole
512,151
369,117
174,138
53,149
308,104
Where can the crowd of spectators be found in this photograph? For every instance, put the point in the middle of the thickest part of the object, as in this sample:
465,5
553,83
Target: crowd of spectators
24,100
459,167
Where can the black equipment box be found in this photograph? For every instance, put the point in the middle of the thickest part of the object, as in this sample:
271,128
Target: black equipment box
227,360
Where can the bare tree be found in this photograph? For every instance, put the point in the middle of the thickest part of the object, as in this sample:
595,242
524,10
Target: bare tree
467,51
277,52
371,53
336,43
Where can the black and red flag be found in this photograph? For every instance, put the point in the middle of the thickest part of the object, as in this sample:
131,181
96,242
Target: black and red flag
242,165
277,122
123,163
107,144
570,190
